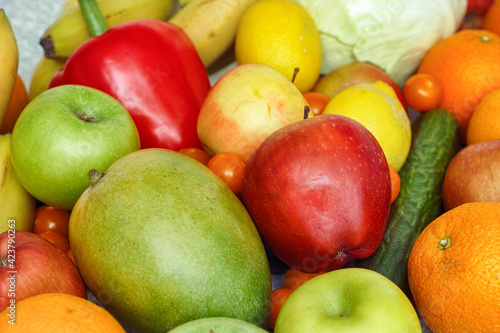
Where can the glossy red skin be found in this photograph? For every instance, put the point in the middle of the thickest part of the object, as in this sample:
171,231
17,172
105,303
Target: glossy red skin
40,267
153,69
319,192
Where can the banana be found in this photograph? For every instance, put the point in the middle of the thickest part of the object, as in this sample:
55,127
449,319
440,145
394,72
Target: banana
211,25
9,61
69,30
16,204
42,75
69,5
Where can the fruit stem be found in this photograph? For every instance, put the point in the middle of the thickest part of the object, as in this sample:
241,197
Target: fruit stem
444,243
93,17
86,118
306,111
295,72
94,175
3,262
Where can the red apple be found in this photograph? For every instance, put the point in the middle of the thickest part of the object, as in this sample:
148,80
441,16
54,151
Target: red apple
31,265
473,175
357,72
319,192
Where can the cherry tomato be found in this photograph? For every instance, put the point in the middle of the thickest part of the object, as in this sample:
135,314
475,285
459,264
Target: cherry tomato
198,154
230,168
278,298
423,92
395,183
51,218
295,278
57,239
317,101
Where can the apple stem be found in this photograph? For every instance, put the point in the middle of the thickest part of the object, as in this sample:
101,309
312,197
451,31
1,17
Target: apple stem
444,243
86,118
94,176
306,111
3,262
295,72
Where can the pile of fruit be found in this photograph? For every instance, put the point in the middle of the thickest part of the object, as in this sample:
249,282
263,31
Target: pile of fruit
253,166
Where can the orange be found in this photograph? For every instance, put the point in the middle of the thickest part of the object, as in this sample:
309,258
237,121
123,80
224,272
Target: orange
484,124
57,313
454,270
18,101
491,20
467,64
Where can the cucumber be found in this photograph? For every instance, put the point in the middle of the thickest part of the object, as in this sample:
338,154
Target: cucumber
435,141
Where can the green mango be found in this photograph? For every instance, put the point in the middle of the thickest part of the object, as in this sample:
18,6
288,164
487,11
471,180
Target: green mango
160,240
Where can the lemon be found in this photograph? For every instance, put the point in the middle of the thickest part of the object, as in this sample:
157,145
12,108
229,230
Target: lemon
376,106
282,35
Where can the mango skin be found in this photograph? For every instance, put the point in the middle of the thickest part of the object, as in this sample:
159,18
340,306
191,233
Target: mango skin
160,240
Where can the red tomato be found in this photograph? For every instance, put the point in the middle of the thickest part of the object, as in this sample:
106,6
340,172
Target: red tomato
51,218
423,92
278,298
295,278
230,168
57,239
198,154
317,101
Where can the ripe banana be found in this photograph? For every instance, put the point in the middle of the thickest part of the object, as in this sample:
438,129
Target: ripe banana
42,75
211,25
16,204
69,5
69,30
9,61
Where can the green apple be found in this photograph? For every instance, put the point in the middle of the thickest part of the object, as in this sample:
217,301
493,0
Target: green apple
217,325
160,240
64,133
348,300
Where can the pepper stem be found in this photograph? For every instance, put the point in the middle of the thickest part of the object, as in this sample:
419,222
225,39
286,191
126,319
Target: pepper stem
93,17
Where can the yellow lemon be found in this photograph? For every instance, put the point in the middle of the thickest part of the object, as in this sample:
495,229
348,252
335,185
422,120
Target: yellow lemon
376,106
282,35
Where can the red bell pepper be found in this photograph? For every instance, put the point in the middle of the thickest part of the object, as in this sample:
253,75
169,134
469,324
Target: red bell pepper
151,67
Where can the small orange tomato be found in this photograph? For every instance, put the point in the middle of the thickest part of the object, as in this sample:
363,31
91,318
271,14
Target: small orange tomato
57,239
317,101
198,154
423,92
395,183
51,218
230,168
278,298
295,278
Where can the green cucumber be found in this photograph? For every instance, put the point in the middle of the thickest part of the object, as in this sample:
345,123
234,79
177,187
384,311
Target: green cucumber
435,141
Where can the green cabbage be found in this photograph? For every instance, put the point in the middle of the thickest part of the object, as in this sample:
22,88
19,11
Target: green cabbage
392,34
